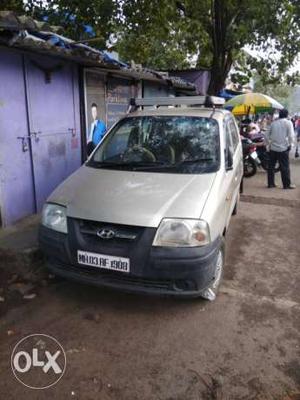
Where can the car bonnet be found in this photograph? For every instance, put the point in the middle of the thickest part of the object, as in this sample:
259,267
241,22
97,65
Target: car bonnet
132,198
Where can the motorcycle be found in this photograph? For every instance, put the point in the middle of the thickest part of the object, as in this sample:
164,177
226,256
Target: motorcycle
262,153
249,157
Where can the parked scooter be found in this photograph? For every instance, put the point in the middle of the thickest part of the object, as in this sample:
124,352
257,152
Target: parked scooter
249,157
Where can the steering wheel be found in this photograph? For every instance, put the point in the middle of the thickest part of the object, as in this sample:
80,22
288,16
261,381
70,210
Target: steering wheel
137,154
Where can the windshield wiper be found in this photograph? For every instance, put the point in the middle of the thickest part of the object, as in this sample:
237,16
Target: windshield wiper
193,160
131,164
152,165
187,161
166,165
136,166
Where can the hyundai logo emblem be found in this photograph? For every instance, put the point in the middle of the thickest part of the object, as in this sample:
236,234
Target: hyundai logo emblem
106,233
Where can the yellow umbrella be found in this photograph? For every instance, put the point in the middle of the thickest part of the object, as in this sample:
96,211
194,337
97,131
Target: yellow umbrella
252,103
243,110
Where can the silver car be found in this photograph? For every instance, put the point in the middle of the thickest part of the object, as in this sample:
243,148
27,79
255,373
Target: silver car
149,210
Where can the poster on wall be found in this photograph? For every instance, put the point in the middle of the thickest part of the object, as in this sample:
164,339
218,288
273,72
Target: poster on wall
119,92
95,109
107,100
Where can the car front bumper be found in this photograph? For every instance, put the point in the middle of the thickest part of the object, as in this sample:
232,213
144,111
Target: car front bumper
185,272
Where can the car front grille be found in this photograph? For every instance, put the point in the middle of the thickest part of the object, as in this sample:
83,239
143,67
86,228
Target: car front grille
89,229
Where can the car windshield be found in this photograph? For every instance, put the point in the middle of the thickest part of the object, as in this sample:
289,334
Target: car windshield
177,144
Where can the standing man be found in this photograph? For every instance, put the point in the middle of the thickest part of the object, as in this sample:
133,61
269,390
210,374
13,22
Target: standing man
297,129
280,139
97,130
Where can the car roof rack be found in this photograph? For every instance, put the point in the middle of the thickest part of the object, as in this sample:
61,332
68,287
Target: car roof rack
206,101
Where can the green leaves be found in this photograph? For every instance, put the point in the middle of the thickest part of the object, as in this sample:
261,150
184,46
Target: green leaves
177,34
74,16
211,33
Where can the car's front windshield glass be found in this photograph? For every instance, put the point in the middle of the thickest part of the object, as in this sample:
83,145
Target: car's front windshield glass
175,144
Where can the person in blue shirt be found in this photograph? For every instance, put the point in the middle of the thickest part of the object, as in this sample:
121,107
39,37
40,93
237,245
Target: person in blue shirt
97,130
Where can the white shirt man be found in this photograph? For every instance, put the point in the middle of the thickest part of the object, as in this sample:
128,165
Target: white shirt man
281,135
280,139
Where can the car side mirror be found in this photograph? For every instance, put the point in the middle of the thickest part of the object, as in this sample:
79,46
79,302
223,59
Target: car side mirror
228,160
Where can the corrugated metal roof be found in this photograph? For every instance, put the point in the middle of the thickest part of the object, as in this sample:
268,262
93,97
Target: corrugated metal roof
11,21
24,32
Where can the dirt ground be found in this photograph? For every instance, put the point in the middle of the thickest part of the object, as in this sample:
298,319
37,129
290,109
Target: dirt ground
243,346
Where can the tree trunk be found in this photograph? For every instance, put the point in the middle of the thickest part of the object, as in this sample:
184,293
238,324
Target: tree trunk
222,57
219,75
217,81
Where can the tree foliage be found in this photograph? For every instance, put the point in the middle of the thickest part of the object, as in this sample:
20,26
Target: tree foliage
280,92
81,19
169,32
13,5
177,34
287,95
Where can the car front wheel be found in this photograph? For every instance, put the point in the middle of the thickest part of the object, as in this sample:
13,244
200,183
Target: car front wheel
210,293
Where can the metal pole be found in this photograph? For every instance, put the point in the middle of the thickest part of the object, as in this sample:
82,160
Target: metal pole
82,113
29,130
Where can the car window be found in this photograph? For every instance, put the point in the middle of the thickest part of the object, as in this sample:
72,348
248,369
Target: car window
235,137
229,137
182,143
229,148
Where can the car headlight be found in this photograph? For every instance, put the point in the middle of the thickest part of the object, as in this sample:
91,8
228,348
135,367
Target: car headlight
182,233
55,217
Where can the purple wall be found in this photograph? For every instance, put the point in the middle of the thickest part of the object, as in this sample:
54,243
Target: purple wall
40,141
200,78
16,185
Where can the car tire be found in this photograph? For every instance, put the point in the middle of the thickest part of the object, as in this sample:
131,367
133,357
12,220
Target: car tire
250,167
242,186
236,206
210,293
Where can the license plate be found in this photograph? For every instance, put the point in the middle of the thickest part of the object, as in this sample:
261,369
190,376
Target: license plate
254,155
104,261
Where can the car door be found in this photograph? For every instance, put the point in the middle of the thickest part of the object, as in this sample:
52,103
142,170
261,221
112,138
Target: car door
238,155
233,165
